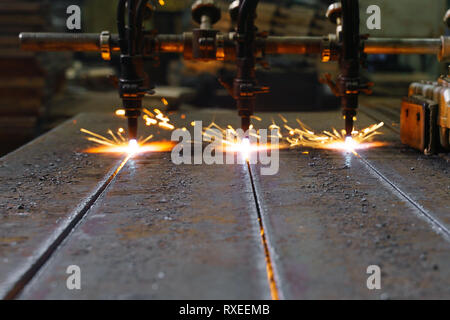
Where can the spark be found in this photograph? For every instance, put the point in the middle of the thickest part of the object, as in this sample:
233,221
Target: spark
157,117
119,145
255,118
120,112
283,118
333,139
244,148
167,126
133,147
235,141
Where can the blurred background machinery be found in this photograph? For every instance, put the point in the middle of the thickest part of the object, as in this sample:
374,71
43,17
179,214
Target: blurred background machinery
55,87
27,80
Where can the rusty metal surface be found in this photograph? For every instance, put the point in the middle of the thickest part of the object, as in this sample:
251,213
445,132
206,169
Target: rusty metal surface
44,185
328,219
196,225
162,231
425,179
329,216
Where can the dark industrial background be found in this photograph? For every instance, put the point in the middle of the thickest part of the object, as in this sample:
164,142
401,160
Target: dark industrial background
40,90
140,226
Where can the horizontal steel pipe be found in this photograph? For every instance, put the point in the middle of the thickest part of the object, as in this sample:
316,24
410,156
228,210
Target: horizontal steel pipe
402,46
292,45
270,45
60,41
163,43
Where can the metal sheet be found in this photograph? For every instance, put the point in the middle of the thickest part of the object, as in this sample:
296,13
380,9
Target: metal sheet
164,232
44,186
328,217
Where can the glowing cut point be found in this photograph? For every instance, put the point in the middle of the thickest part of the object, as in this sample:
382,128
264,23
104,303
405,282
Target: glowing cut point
133,147
120,112
350,144
245,148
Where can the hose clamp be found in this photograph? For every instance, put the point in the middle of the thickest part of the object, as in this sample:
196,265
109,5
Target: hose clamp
105,45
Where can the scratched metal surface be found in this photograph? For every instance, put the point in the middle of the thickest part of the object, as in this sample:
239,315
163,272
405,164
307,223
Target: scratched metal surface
426,179
177,232
42,186
327,217
164,232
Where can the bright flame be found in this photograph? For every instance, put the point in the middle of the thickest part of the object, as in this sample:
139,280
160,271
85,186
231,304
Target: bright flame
118,144
159,119
244,148
120,112
304,137
350,143
155,118
233,142
165,146
133,147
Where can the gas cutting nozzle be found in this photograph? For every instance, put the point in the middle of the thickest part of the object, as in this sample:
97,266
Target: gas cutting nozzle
245,123
349,125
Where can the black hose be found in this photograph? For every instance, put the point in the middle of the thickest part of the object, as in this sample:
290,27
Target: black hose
247,8
132,27
121,24
139,25
246,21
350,29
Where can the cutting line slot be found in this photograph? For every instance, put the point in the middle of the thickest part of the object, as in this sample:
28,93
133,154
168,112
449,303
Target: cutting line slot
427,215
269,264
423,212
45,256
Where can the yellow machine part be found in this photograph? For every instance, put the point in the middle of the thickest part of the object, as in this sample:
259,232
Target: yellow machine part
418,124
412,125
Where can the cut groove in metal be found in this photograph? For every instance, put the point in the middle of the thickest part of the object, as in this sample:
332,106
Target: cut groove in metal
424,213
269,265
440,227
